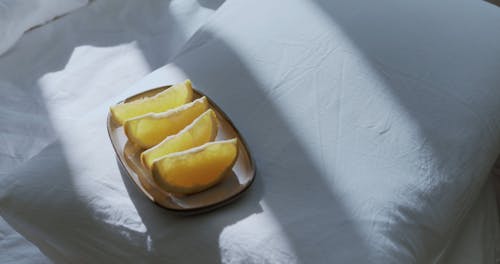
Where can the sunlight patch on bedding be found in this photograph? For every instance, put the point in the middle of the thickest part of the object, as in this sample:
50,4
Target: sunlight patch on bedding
86,147
326,117
87,69
238,241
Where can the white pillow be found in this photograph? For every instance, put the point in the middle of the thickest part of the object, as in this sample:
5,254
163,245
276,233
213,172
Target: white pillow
17,16
374,124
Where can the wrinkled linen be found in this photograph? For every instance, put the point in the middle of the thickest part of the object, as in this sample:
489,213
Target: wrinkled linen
478,235
57,74
17,16
373,132
374,125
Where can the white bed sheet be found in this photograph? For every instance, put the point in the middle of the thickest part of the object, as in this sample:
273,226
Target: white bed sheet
477,239
61,188
95,53
18,16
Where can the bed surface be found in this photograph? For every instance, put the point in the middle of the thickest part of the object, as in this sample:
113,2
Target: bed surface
350,166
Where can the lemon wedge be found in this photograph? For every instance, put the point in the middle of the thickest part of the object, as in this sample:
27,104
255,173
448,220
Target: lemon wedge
150,129
172,97
195,169
202,130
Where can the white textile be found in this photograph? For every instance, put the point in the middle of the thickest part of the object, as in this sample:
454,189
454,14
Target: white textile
374,126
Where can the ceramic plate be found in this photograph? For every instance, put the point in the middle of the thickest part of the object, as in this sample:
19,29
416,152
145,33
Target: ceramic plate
235,182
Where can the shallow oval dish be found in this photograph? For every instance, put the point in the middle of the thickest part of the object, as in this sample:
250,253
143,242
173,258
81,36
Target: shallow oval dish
235,182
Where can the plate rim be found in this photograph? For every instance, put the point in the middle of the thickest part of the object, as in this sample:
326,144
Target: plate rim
200,209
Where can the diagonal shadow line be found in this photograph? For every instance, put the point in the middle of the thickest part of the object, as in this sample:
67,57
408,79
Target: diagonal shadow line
84,237
293,186
27,201
46,176
365,40
424,55
163,225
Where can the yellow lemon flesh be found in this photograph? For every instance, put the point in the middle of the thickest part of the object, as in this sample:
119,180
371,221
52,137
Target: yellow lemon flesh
202,130
195,169
150,129
172,97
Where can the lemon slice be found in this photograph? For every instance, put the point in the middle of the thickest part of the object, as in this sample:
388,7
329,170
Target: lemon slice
202,130
195,169
172,97
150,129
